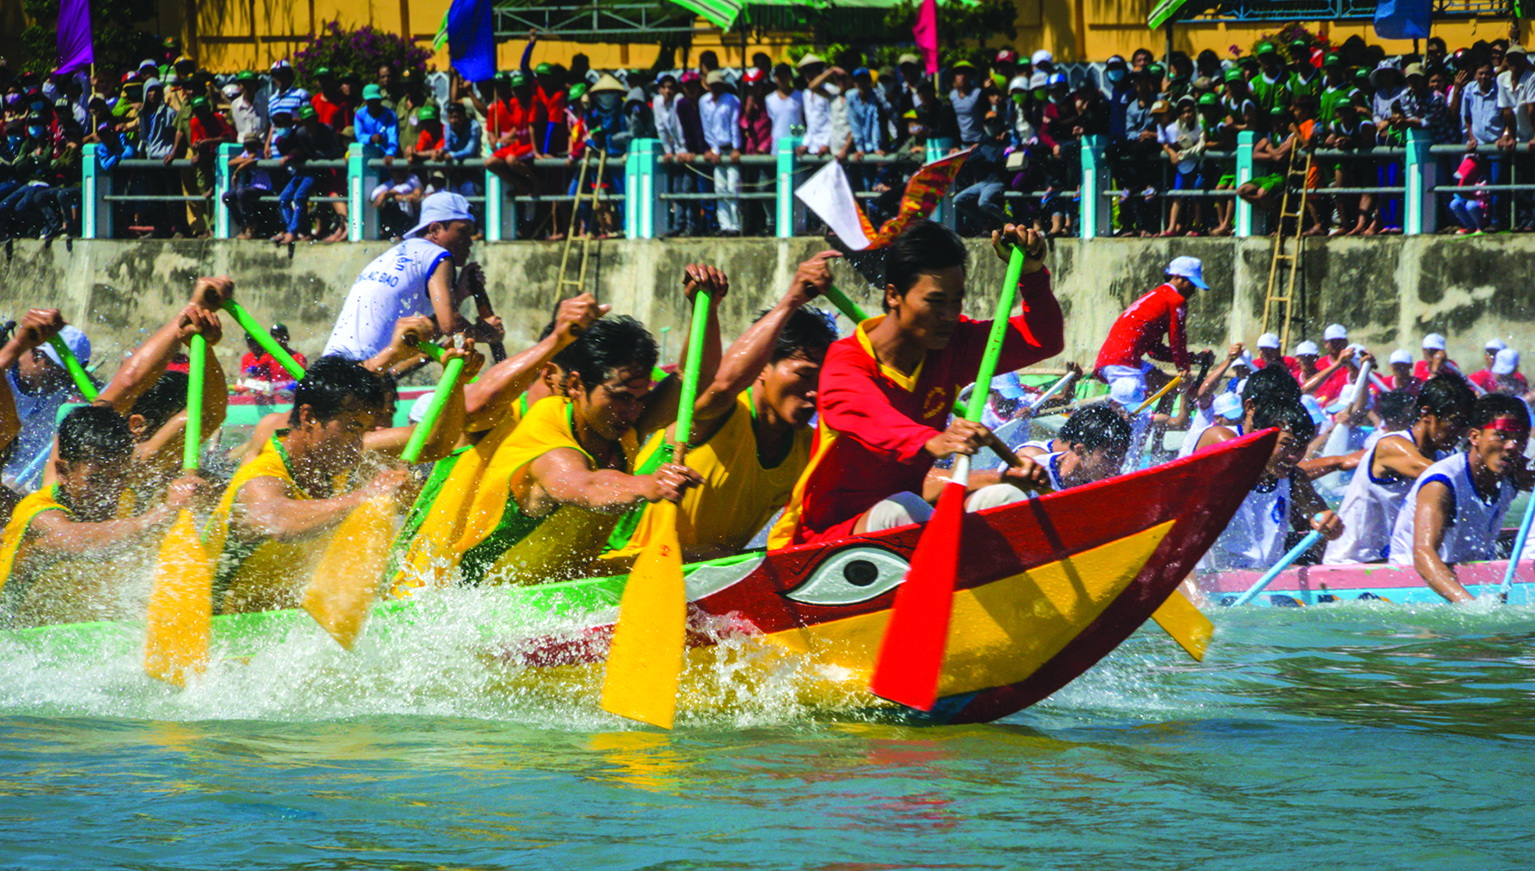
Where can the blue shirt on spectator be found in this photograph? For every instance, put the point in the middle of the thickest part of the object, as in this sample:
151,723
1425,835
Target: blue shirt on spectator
384,124
970,113
863,114
464,144
157,131
1119,102
1480,115
107,158
286,101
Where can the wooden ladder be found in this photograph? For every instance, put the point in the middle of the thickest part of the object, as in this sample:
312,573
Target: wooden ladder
1296,176
575,286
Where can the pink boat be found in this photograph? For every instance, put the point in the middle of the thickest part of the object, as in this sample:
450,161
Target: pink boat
1315,585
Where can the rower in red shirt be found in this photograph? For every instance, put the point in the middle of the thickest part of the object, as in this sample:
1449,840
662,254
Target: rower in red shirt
1434,358
1138,332
886,391
1269,352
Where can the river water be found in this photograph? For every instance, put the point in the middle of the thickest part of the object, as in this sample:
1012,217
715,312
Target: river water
1355,735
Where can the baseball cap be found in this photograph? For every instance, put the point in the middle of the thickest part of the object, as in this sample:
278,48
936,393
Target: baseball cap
1313,408
517,79
1335,332
1117,60
1244,360
1495,345
282,65
1043,56
1019,83
1058,79
1209,99
1506,362
753,76
1401,355
425,113
544,69
690,76
1161,106
1265,48
1433,342
231,90
372,92
1234,75
1227,405
1413,69
1039,80
148,63
74,340
1307,348
1129,392
1268,340
1190,268
907,58
322,72
441,207
306,111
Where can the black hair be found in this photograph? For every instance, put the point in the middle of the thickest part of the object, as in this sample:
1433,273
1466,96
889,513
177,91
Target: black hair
1489,408
782,69
807,332
388,384
606,345
163,400
1286,414
1097,426
94,432
1270,382
1445,396
665,79
1397,405
924,247
330,382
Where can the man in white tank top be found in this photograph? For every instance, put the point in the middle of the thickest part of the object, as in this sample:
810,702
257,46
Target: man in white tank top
415,277
1455,510
1377,492
1096,440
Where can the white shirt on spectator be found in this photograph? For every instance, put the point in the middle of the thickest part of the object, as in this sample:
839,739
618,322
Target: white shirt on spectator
817,122
1185,141
786,114
249,117
721,119
1380,106
393,286
668,125
411,184
839,127
1518,97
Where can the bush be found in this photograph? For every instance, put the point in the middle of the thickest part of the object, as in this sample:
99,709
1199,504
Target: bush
359,52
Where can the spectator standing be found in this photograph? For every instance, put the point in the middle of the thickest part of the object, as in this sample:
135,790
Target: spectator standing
1516,93
330,105
785,105
698,215
817,107
1271,86
1137,149
969,103
1424,108
1485,122
756,139
719,113
510,120
246,111
673,144
907,99
867,114
1304,80
1182,140
1122,92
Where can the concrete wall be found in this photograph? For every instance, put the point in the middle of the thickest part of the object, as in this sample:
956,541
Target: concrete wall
1388,291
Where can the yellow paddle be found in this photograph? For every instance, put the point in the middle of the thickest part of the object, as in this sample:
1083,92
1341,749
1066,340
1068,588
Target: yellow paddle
352,567
645,660
1155,397
180,614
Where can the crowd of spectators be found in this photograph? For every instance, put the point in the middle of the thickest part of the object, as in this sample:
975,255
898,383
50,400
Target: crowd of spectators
1169,132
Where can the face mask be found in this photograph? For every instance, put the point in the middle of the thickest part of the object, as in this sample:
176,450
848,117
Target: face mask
915,129
1116,76
37,132
832,89
1019,98
607,101
1039,93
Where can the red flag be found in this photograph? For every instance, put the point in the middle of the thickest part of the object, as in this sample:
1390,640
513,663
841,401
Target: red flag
926,34
923,191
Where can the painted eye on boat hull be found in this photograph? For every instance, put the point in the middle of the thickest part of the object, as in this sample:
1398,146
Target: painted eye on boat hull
851,577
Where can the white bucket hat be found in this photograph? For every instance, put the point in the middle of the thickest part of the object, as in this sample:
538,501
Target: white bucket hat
441,207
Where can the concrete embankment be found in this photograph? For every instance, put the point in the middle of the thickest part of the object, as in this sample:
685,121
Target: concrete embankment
1388,291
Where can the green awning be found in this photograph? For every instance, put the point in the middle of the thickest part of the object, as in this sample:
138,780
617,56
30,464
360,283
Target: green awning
1166,10
791,14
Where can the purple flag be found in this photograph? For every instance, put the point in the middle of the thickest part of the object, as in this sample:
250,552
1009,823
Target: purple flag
75,49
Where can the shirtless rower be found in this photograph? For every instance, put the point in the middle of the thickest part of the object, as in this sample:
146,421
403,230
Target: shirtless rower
887,391
1377,491
1454,511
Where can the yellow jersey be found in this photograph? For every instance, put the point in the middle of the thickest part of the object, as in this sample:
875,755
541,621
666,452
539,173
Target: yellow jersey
500,544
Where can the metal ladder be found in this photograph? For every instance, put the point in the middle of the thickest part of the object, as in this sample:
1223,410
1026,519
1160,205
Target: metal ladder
577,285
1299,170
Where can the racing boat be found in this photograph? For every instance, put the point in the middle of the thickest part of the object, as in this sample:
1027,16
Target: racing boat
1321,585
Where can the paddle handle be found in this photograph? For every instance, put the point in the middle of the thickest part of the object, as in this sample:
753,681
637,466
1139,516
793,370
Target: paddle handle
440,396
996,338
1054,389
1285,562
192,450
849,309
1156,397
76,371
698,331
1518,551
263,338
1380,385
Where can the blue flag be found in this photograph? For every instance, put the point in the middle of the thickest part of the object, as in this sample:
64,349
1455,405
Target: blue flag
472,39
1402,19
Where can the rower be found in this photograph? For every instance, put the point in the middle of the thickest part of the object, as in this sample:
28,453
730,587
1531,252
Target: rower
275,516
554,489
1269,353
53,550
1389,467
1401,377
1282,500
1434,358
1303,367
887,391
1269,383
1485,377
1097,440
416,277
1224,411
1454,511
36,328
1139,330
751,426
40,385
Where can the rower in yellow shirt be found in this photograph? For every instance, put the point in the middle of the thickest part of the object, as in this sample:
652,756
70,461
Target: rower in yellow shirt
751,427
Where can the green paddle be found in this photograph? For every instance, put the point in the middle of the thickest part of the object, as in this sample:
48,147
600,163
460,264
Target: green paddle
263,338
76,371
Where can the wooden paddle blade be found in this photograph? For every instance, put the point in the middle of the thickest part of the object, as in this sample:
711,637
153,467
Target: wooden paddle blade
180,615
1180,619
351,570
911,653
645,661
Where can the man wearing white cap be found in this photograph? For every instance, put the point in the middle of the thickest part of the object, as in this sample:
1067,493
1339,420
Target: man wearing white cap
1506,378
1269,352
1139,330
39,385
1434,358
1304,367
415,277
1485,378
1401,377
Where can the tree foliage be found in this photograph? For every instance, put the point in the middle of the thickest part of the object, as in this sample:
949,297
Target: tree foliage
118,42
359,52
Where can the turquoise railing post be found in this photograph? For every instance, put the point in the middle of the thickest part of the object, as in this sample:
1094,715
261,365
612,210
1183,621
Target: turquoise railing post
642,188
500,213
944,213
361,179
223,183
1244,210
1419,213
789,211
95,184
1093,214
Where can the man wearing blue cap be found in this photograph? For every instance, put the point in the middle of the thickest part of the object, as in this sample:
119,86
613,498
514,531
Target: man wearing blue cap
1139,330
39,385
416,277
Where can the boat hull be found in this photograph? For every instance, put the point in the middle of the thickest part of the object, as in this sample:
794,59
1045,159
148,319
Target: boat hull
1322,585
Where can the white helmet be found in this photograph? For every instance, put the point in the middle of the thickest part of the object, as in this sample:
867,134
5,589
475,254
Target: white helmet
1019,83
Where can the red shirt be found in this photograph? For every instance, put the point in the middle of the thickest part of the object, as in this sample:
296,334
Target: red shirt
1489,382
509,118
215,128
337,116
1139,331
1410,384
264,367
549,130
875,421
431,136
1288,362
1420,369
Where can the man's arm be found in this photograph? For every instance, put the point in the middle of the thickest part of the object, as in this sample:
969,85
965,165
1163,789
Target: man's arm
57,532
1431,520
1038,330
487,399
1321,376
445,430
263,509
439,289
171,436
563,476
661,403
141,370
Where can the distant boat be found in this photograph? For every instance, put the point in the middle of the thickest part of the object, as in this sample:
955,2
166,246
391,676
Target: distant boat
1320,585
